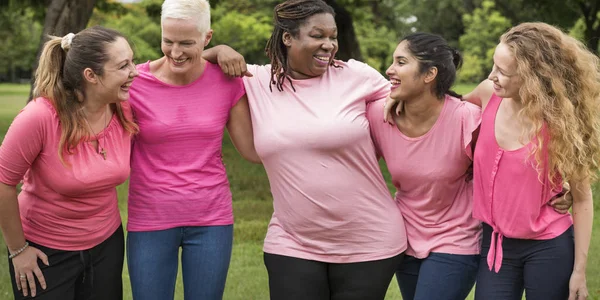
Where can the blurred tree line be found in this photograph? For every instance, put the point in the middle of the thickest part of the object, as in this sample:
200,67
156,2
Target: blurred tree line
368,29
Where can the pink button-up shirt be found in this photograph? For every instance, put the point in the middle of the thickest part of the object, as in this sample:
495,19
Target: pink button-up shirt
509,193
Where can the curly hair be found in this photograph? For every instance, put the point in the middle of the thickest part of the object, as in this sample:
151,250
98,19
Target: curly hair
289,16
560,90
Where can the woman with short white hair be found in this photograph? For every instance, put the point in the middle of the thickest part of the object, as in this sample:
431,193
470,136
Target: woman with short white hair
179,196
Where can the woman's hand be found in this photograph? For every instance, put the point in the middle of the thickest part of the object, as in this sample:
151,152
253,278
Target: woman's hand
26,267
389,106
563,201
577,286
231,62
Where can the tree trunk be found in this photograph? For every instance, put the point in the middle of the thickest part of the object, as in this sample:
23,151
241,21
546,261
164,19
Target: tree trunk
591,35
348,44
62,17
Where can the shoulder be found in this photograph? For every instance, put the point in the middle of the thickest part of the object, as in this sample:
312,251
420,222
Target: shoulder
463,107
215,73
143,67
37,114
261,75
376,107
481,95
356,70
39,108
356,65
127,111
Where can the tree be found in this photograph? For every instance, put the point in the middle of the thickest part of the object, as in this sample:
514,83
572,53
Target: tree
482,30
591,34
19,34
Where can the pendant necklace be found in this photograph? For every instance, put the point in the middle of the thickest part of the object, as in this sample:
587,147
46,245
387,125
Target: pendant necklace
99,147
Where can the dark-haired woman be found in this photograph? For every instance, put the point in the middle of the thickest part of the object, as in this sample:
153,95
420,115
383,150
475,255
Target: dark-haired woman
336,233
71,148
428,150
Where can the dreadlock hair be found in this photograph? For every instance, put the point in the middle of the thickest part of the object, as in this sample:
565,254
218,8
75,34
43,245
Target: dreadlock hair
289,16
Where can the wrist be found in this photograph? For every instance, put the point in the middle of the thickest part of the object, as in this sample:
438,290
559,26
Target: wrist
16,252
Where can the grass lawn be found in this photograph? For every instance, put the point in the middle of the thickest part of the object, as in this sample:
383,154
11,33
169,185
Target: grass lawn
247,278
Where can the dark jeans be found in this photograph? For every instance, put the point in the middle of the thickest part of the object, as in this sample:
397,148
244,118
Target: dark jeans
93,274
440,276
293,278
540,267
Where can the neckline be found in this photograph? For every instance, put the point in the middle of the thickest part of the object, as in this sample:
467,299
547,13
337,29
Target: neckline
151,74
432,129
523,147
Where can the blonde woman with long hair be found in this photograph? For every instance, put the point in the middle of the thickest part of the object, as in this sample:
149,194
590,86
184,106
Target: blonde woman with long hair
540,129
70,146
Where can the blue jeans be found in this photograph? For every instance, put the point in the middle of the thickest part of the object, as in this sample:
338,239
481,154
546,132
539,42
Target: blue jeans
541,268
439,276
153,256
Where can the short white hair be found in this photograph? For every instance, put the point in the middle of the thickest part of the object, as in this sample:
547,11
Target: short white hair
195,10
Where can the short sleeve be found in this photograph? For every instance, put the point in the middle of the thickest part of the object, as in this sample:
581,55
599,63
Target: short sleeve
470,121
380,87
24,141
237,85
374,113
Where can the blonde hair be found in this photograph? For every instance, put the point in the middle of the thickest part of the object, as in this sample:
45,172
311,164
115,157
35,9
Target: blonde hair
195,10
59,78
561,89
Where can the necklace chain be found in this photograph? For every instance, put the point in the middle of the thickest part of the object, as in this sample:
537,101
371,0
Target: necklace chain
99,147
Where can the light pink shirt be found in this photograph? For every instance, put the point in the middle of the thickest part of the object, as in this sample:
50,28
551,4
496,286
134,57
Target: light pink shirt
177,173
509,194
331,203
429,174
71,207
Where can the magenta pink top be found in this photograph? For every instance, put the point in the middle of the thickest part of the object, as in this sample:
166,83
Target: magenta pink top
330,200
429,173
177,173
71,207
509,193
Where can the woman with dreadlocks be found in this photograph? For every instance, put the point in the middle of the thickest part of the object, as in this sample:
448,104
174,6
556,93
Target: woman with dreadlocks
336,233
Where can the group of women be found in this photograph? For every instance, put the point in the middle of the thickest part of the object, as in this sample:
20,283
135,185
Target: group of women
474,175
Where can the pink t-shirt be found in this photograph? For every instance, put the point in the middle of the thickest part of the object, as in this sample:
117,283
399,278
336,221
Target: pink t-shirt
177,172
508,194
429,174
67,207
330,200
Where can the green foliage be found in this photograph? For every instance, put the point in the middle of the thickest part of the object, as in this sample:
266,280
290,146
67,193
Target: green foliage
20,34
248,33
143,33
482,29
441,17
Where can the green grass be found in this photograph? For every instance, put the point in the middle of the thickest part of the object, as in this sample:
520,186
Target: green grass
247,278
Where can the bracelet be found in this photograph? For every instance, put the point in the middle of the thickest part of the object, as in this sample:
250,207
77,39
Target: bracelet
19,251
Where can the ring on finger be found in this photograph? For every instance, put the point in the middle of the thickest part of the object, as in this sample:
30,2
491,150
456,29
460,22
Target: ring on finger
22,276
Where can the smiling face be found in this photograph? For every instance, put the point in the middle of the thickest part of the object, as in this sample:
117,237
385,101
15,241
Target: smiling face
504,73
182,45
405,77
313,49
118,72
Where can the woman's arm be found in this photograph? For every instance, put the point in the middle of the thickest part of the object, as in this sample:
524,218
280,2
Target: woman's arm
239,127
25,257
231,62
481,95
583,215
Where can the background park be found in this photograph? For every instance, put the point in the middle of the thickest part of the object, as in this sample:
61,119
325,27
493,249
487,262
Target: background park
369,31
